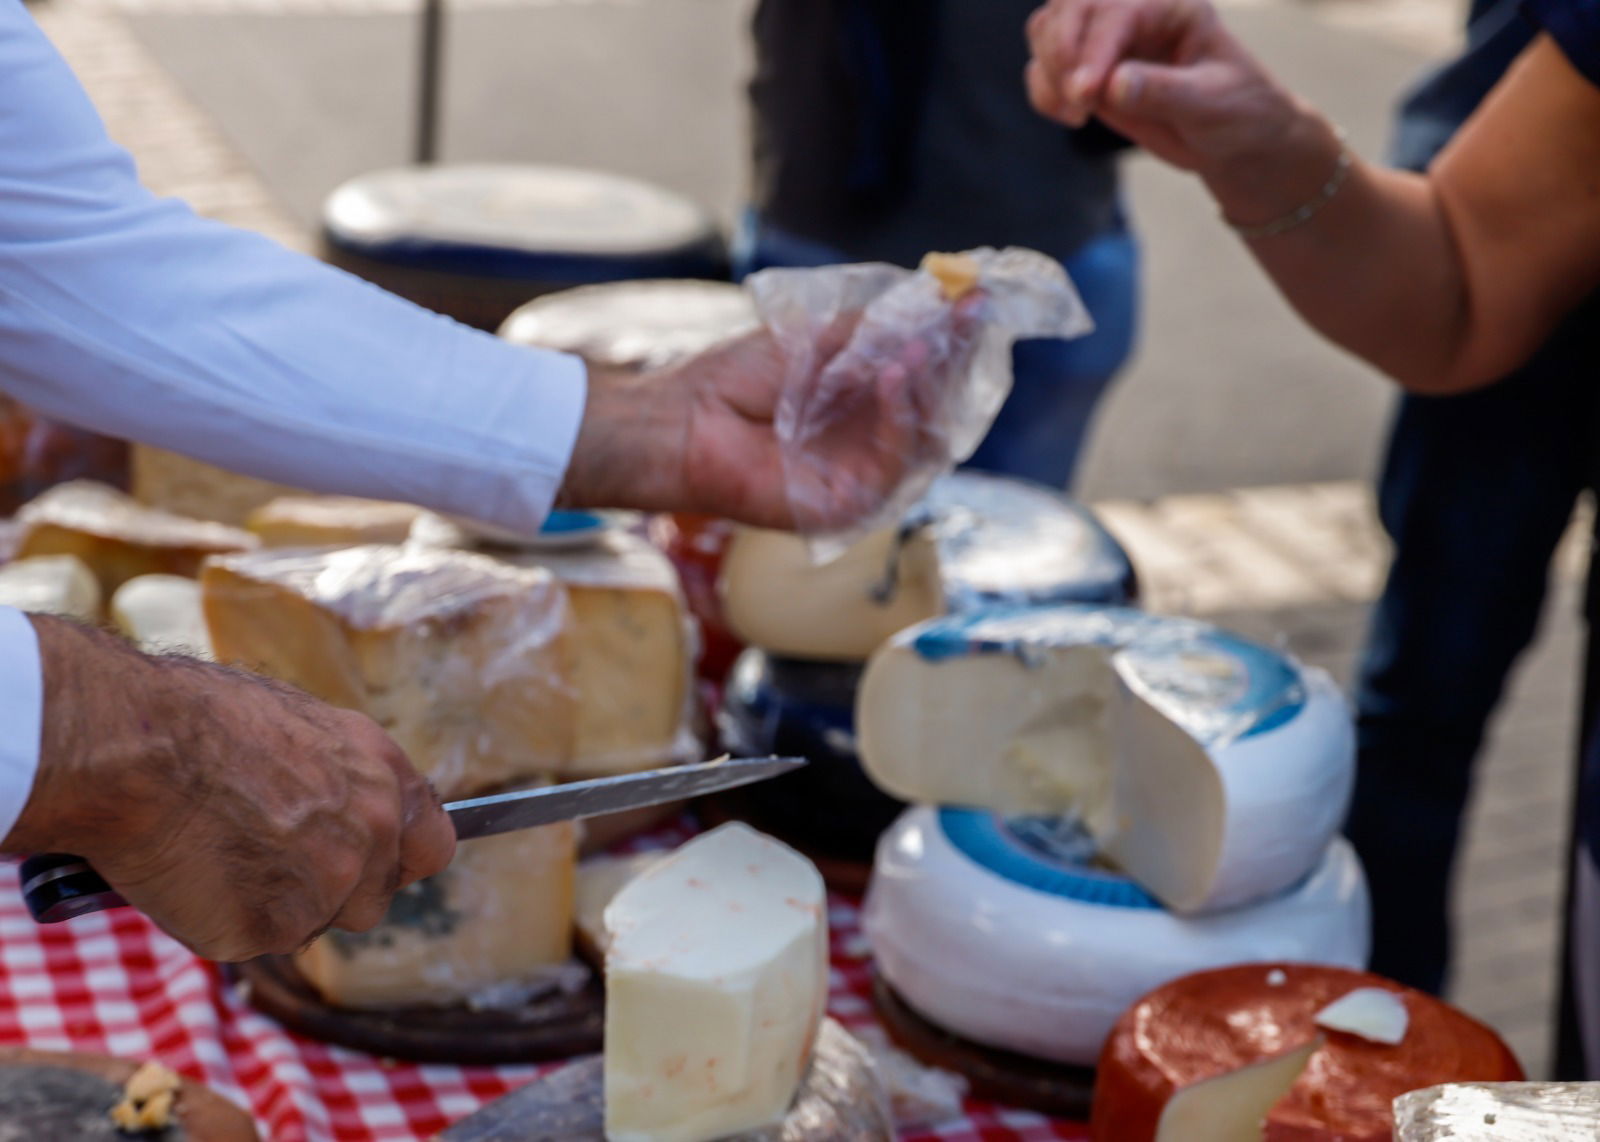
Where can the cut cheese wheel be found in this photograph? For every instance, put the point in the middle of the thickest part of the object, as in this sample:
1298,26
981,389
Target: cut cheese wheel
162,613
1184,1035
1233,1107
599,880
1499,1112
716,981
974,540
331,521
51,585
118,537
493,928
1065,944
467,662
192,488
1212,770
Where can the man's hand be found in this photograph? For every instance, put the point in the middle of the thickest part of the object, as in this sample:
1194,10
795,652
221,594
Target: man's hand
241,815
702,436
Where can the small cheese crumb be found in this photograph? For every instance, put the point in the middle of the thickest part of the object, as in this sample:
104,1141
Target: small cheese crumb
1277,977
1373,1013
147,1099
957,274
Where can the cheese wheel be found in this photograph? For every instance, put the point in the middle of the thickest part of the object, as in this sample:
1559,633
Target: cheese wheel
51,585
331,521
1212,770
1202,1028
1014,934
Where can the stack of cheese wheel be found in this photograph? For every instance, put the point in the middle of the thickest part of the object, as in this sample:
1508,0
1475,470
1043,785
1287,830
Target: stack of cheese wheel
975,540
1126,798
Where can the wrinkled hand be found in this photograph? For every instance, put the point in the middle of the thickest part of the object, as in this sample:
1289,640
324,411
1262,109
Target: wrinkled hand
241,815
1167,74
702,436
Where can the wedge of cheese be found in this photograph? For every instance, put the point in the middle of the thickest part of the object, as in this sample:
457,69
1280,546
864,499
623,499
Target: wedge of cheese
491,929
331,521
1211,770
973,541
716,982
600,878
162,613
118,537
467,662
51,585
1499,1112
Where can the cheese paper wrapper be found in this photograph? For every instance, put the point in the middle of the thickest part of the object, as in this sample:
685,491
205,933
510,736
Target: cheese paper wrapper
919,380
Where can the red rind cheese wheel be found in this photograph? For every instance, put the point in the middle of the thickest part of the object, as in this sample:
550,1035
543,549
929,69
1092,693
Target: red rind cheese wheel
1214,1022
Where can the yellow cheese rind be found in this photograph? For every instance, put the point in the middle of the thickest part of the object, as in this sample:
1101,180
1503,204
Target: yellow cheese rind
497,922
467,662
331,521
162,613
51,585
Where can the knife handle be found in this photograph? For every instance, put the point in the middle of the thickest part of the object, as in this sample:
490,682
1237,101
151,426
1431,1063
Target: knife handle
59,886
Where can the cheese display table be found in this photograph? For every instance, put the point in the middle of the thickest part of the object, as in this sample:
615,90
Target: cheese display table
114,984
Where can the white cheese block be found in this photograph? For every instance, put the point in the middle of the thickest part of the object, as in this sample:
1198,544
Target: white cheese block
1231,1107
1499,1112
491,929
599,880
162,613
467,662
331,521
716,982
1013,933
51,585
1212,770
1374,1013
973,540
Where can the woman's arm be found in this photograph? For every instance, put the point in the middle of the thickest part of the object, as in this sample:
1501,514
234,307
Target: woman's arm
1444,281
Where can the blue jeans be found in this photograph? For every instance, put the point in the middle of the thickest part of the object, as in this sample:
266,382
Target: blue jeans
1040,431
1476,491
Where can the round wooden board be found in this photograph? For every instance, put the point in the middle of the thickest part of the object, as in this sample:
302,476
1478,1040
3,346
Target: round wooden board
1056,1089
556,1026
56,1095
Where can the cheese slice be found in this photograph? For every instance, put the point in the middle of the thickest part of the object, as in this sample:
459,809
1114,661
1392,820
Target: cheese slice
162,613
974,540
118,537
1499,1112
716,982
599,880
1209,1050
1213,771
467,662
51,585
331,521
1375,1013
493,928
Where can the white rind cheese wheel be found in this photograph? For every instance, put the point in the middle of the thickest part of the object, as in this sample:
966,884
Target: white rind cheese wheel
716,982
1013,935
1212,770
331,521
51,585
974,540
162,613
1499,1112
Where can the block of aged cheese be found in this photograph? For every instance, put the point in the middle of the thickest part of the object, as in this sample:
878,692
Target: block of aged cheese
716,982
1212,770
491,929
1499,1112
120,538
189,487
1184,1040
973,540
599,880
162,613
51,585
331,521
467,662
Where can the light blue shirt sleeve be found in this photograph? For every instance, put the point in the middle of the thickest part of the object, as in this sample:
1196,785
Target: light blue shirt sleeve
130,315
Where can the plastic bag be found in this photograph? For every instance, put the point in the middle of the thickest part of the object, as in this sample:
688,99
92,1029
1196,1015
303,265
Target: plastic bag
918,382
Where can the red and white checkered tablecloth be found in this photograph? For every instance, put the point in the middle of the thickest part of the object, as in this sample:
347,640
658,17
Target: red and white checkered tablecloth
113,983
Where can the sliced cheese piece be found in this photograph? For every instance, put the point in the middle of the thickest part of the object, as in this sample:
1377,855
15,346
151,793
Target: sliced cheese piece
118,537
716,981
1375,1013
467,662
1232,1107
1211,770
162,613
492,928
1182,1037
331,521
973,540
599,880
51,585
1499,1112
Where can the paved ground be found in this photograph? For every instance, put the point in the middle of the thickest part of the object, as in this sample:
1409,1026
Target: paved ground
1230,394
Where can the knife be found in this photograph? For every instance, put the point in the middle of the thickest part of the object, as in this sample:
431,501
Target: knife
59,886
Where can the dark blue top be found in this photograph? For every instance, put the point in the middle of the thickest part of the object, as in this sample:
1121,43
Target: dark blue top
1575,26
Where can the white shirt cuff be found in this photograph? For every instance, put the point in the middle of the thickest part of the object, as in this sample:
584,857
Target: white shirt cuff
21,714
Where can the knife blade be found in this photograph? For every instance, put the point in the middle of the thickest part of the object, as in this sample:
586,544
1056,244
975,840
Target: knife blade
59,886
